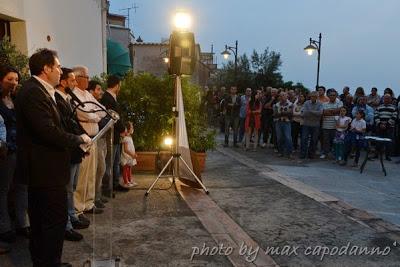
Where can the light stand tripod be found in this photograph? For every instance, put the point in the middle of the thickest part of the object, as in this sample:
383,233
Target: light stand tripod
176,156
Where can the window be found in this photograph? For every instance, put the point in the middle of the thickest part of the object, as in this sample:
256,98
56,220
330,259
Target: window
4,29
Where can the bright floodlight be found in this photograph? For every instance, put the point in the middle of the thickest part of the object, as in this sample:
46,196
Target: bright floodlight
168,141
182,21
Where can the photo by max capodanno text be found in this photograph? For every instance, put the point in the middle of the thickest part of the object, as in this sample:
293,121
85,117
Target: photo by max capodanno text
250,253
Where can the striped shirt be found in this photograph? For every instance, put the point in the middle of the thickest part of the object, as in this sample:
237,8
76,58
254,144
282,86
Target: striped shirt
386,114
329,122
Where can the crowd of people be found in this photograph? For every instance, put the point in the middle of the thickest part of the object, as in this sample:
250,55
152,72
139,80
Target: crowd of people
296,120
52,174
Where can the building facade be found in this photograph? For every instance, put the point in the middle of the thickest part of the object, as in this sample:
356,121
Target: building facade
149,57
76,29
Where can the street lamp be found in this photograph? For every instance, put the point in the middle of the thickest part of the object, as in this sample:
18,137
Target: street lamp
226,55
315,46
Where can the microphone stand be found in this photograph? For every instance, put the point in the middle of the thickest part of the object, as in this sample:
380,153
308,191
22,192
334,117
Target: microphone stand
114,117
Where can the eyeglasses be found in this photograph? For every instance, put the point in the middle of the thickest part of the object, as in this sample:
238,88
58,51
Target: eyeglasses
82,76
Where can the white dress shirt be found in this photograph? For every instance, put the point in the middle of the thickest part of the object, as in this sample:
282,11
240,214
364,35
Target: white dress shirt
89,121
50,89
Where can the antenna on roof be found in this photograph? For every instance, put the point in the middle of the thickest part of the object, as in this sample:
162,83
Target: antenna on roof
128,10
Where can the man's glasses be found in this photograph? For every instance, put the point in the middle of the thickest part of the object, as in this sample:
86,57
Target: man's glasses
82,76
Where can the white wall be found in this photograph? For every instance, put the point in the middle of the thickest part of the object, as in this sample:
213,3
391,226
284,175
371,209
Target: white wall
12,8
74,26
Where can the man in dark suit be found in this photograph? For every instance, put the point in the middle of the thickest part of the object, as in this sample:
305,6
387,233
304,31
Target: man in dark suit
44,158
109,100
71,125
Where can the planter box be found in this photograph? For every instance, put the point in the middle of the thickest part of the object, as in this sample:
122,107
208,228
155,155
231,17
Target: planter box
198,161
147,160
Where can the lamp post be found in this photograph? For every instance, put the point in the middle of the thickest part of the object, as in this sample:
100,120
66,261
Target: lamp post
226,55
315,45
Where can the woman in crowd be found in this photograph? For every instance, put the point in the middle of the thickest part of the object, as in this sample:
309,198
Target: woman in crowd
253,118
297,121
9,78
359,92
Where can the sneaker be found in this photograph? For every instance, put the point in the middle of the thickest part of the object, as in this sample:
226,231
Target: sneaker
263,145
94,210
80,224
132,184
72,235
82,218
280,155
323,156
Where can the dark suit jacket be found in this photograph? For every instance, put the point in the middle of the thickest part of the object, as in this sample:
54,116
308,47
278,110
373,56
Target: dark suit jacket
109,102
71,125
43,153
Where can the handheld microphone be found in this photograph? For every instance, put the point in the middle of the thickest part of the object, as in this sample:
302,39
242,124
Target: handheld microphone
74,97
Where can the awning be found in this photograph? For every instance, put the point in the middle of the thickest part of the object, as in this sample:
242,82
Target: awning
118,60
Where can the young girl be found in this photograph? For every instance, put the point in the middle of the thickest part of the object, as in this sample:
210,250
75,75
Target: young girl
357,131
128,157
342,125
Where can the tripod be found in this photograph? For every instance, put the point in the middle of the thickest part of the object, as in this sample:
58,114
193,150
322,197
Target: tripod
176,156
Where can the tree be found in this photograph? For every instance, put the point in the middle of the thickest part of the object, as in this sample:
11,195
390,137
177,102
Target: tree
261,70
10,55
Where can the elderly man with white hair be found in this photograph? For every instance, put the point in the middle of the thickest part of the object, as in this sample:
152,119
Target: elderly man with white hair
84,195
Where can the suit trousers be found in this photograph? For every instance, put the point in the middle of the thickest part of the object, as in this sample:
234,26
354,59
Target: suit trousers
101,165
84,194
47,209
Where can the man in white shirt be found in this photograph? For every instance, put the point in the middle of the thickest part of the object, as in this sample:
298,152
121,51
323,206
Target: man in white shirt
84,195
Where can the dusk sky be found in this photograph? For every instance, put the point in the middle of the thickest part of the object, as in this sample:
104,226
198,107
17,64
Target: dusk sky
360,38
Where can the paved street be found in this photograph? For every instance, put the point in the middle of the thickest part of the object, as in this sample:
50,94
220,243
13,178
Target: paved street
256,199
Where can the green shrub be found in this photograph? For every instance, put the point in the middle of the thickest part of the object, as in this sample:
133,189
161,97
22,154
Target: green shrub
151,99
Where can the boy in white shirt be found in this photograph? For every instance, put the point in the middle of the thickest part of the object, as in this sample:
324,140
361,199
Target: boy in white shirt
357,130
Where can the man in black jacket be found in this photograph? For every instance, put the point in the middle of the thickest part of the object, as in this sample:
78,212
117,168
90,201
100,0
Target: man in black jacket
109,100
44,158
71,125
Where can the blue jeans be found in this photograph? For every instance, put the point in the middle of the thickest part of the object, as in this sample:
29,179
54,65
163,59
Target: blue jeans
71,186
231,121
284,137
241,128
309,139
7,168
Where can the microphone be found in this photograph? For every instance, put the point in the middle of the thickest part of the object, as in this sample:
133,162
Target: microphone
74,97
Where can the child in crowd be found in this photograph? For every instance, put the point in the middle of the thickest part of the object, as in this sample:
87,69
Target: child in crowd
128,157
342,125
357,130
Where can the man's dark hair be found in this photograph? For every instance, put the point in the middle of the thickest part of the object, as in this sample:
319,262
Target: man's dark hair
4,70
92,85
65,73
112,81
374,89
42,57
322,87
